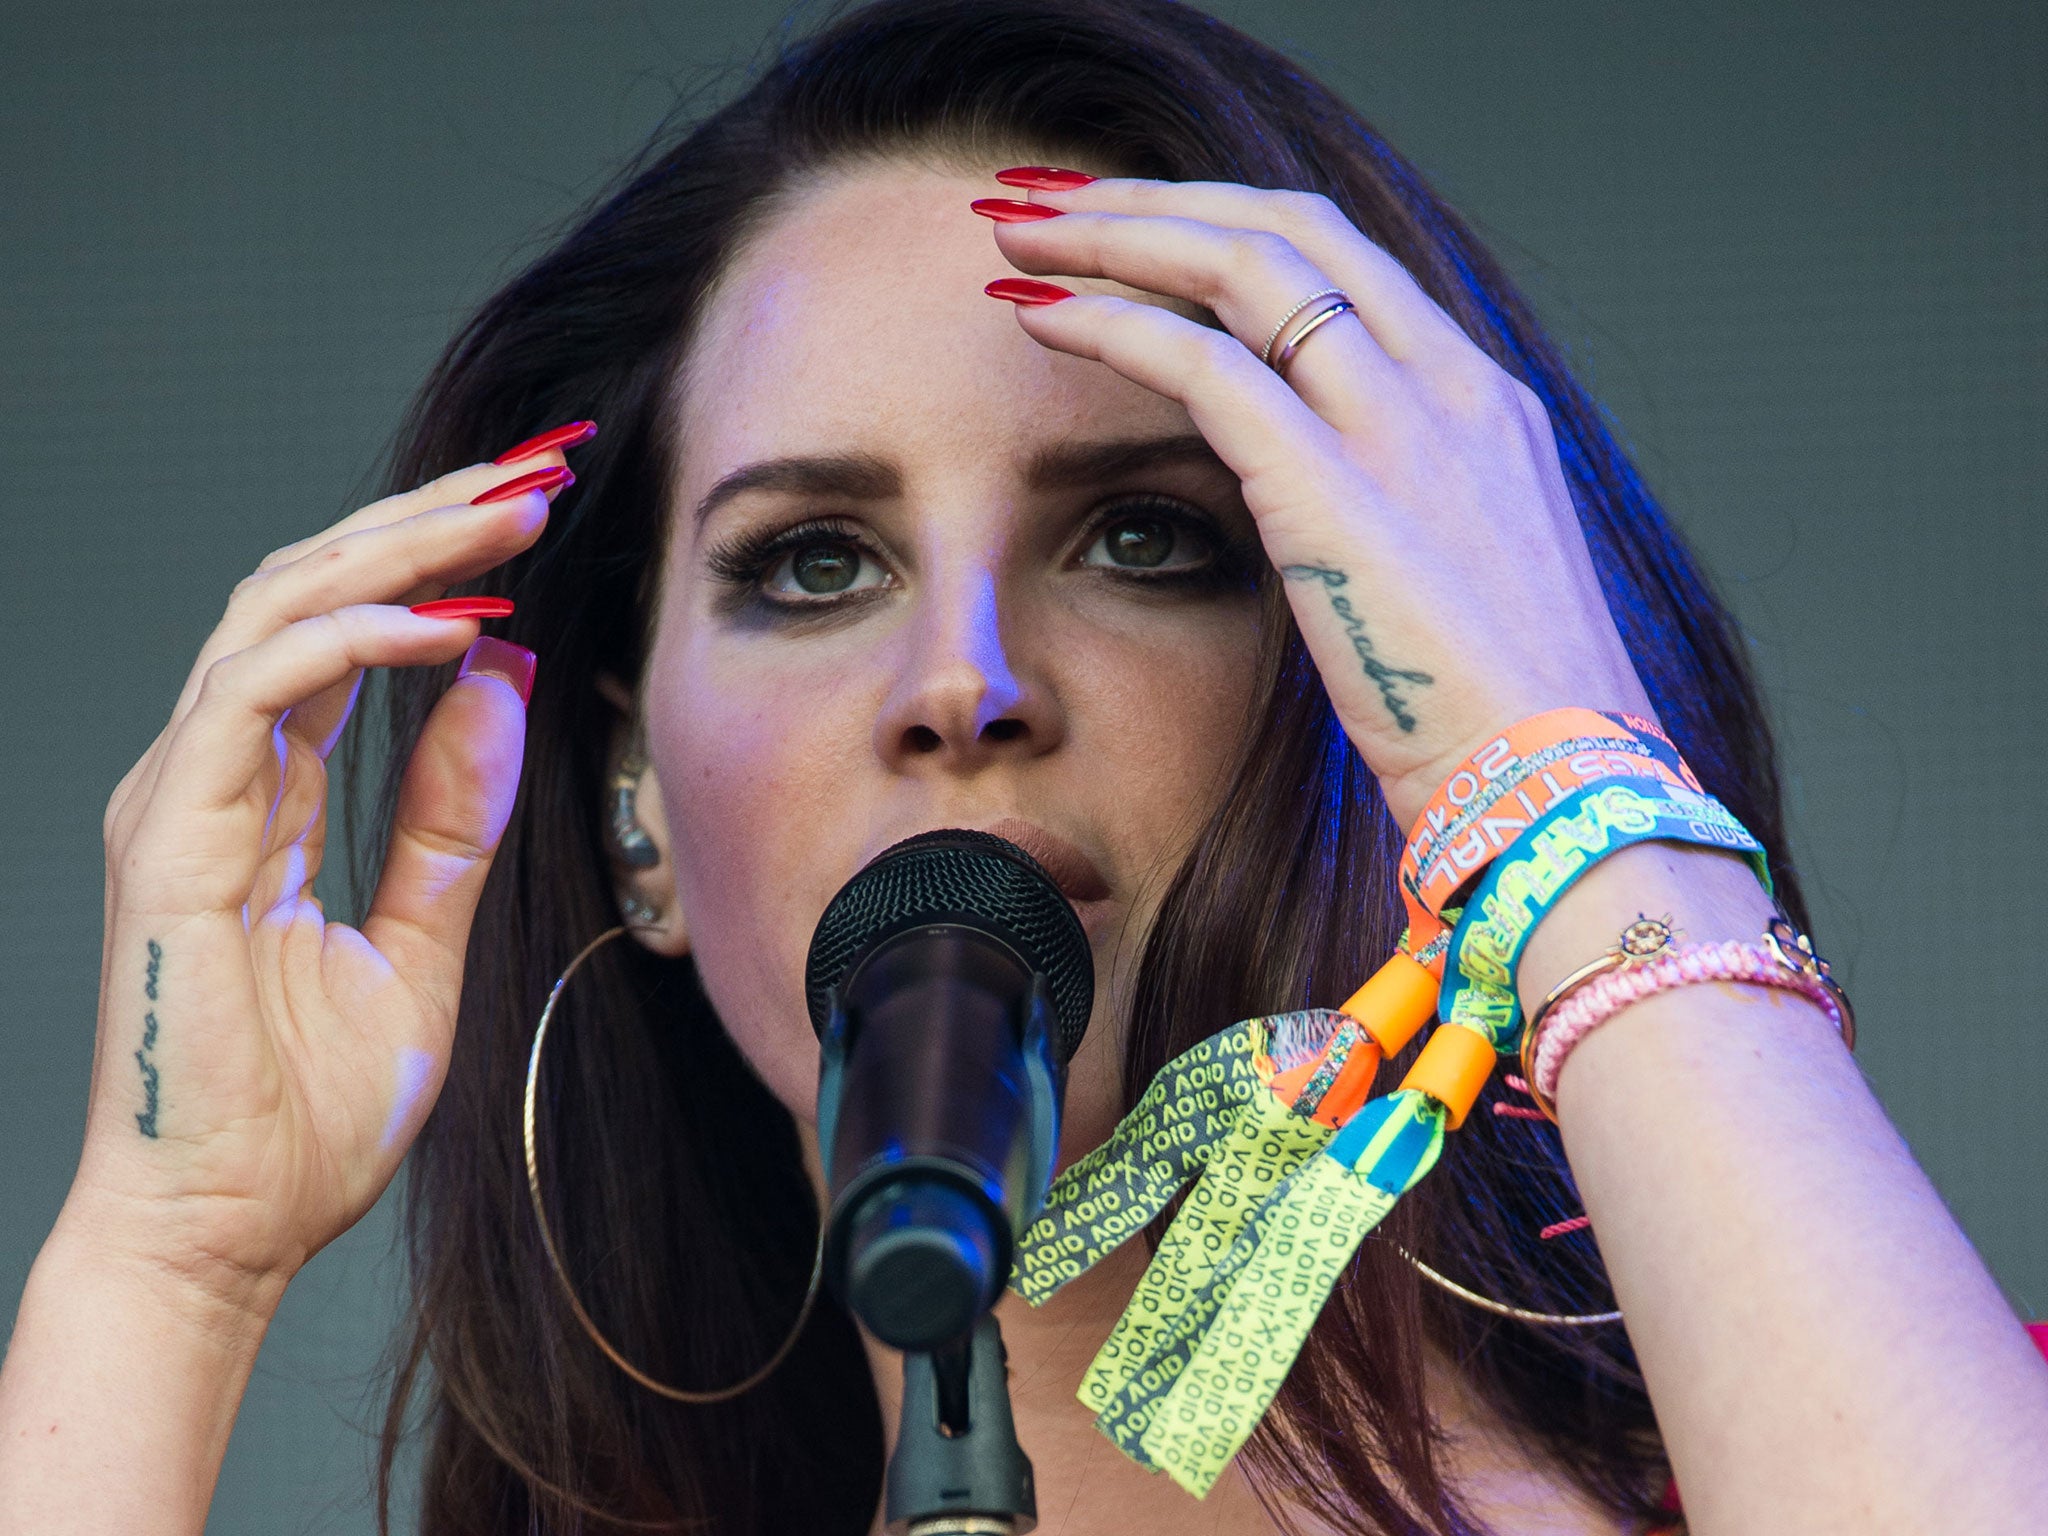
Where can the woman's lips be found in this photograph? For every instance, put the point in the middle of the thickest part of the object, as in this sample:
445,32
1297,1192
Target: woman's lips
1072,870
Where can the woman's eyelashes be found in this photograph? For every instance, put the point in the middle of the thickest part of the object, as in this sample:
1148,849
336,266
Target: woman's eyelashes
1157,540
812,565
808,568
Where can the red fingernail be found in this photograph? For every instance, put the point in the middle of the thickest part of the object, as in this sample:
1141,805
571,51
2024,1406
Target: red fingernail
553,478
1044,178
567,435
465,608
492,657
1027,290
1007,210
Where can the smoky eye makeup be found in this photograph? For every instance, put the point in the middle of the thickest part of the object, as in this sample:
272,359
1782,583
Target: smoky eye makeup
820,566
1163,542
799,569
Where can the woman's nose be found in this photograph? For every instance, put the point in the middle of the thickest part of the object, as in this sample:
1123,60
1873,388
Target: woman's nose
962,699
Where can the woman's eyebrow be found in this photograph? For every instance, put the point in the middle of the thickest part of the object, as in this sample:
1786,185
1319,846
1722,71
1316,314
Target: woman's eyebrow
1064,466
854,476
867,477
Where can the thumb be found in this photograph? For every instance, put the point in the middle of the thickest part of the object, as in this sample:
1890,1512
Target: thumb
453,804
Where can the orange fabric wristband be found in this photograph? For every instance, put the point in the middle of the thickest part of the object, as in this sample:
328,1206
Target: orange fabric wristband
1506,785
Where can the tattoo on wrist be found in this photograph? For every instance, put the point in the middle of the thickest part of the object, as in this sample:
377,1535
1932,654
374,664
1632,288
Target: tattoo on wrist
146,1120
1384,676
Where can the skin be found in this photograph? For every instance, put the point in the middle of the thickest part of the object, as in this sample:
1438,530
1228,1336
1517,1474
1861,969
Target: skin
1760,1219
1002,664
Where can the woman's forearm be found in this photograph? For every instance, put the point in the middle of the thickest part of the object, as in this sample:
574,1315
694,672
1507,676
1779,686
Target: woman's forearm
1825,1350
120,1387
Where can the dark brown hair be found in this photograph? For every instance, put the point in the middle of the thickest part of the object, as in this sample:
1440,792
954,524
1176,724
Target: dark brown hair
684,1211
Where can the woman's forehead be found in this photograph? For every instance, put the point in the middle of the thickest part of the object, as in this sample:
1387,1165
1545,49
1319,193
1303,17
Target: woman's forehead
854,320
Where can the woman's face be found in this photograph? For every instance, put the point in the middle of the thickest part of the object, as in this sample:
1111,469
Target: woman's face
925,572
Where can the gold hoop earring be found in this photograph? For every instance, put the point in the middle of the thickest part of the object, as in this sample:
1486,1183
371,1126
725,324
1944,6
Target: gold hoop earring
1501,1308
547,1237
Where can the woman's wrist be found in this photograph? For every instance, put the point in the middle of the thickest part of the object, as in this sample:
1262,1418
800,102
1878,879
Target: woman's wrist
1707,894
144,1245
121,1386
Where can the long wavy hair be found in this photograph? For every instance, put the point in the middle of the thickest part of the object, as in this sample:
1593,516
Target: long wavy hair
683,1208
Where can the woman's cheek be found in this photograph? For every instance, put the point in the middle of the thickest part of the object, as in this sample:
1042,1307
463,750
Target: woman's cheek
760,823
1166,708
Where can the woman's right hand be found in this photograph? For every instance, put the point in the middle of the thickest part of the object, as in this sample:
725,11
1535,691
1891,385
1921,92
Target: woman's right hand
259,1070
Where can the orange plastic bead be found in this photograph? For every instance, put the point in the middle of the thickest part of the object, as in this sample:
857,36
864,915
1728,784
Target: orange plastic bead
1395,1002
1454,1065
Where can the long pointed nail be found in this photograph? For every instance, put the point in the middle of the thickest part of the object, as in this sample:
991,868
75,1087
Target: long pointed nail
1027,290
509,663
553,478
1007,210
1043,178
465,608
568,435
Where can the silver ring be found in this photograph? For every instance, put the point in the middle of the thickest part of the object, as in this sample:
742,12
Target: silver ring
1286,354
1266,352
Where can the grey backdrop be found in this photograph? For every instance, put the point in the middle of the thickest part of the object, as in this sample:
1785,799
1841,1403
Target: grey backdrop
1801,252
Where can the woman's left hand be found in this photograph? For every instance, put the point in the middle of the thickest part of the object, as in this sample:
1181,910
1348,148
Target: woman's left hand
1405,484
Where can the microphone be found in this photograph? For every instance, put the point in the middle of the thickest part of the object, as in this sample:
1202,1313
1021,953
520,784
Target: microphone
949,982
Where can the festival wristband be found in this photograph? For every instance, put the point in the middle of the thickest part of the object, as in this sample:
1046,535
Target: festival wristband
1266,1293
1244,1110
1510,783
1284,1064
1490,772
1517,889
1238,1281
1212,1111
1100,1200
1188,1406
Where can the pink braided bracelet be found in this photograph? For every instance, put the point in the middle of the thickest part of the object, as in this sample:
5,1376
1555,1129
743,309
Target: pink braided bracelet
1589,1006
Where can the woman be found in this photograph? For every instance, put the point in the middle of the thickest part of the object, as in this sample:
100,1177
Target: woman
858,552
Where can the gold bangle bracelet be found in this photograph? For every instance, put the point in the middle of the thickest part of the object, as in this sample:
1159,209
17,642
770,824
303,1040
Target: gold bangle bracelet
1640,942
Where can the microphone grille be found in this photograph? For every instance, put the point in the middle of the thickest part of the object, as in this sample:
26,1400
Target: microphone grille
973,878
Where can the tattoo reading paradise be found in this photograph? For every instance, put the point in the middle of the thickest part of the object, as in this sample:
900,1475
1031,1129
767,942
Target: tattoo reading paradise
146,1120
1382,675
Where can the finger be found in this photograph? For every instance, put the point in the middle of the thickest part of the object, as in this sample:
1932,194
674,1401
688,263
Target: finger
1410,325
453,804
294,845
403,562
201,834
1248,278
450,492
382,562
414,558
456,488
1284,454
318,722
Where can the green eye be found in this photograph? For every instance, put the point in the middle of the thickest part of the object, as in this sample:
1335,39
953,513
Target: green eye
823,568
1142,541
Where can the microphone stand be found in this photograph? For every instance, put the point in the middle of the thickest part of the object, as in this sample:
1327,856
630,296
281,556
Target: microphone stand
958,1469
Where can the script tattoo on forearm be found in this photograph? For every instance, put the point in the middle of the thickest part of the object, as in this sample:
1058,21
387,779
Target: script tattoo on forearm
146,1119
1384,677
